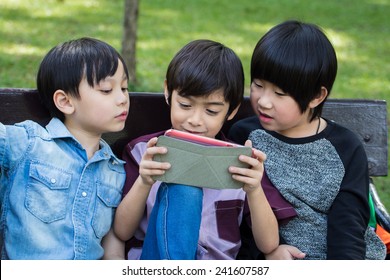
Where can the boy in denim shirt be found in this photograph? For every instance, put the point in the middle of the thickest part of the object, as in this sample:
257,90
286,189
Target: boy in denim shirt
62,183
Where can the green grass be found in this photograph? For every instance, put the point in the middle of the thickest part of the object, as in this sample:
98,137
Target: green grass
359,31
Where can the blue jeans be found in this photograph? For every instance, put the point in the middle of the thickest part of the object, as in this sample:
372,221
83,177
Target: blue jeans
173,228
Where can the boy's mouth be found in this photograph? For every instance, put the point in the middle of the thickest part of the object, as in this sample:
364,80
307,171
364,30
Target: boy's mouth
122,116
265,118
193,132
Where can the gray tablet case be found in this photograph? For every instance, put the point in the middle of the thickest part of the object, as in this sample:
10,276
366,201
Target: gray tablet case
198,165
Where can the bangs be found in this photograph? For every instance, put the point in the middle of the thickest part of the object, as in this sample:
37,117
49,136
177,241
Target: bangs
97,67
286,67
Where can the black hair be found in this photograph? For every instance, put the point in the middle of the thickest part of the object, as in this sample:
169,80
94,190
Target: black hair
299,59
204,66
66,64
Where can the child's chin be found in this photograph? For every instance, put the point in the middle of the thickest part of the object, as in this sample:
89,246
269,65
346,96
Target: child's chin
117,128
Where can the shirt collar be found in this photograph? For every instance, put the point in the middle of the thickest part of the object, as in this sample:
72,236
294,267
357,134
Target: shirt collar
57,129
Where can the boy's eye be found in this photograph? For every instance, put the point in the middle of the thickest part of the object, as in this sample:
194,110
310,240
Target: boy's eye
184,105
280,93
212,112
106,91
257,84
125,89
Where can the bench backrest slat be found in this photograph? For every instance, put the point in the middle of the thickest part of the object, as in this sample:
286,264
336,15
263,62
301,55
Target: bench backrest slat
149,113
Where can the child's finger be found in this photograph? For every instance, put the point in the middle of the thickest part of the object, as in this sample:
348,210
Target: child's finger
152,142
247,172
149,168
154,171
259,155
156,150
152,150
251,182
256,153
248,143
150,164
255,161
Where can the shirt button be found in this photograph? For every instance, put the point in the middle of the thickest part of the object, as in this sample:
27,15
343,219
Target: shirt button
53,181
84,194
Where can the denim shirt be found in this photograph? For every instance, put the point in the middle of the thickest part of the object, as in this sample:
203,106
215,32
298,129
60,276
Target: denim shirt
55,203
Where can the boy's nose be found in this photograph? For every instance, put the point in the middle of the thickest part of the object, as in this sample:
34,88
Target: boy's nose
195,119
264,101
123,97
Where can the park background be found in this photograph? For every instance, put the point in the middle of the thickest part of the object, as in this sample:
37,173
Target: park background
358,29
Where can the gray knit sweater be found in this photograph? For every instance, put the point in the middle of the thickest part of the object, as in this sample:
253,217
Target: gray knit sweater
325,177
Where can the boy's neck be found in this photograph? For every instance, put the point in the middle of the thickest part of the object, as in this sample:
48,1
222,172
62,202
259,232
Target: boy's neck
91,151
90,142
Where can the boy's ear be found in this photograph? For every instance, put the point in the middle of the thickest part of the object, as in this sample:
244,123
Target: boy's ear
63,102
319,98
232,114
166,92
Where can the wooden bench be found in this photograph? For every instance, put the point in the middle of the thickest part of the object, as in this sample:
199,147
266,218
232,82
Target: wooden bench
367,118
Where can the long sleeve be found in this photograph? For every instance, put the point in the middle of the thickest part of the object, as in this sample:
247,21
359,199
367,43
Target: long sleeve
348,217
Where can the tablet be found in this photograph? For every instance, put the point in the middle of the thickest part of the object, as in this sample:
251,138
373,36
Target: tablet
200,165
198,139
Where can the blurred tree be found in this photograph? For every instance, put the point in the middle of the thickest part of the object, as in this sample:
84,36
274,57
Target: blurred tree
130,37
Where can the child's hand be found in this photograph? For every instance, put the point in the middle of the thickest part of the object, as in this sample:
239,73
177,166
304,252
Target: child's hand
251,177
285,252
148,167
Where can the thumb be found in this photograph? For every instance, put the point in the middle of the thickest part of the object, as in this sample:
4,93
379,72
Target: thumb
248,143
296,253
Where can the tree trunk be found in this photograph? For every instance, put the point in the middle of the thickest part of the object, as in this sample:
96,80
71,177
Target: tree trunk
130,37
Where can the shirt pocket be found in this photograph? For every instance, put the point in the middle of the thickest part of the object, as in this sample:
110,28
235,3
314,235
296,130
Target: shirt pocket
227,214
47,192
108,198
